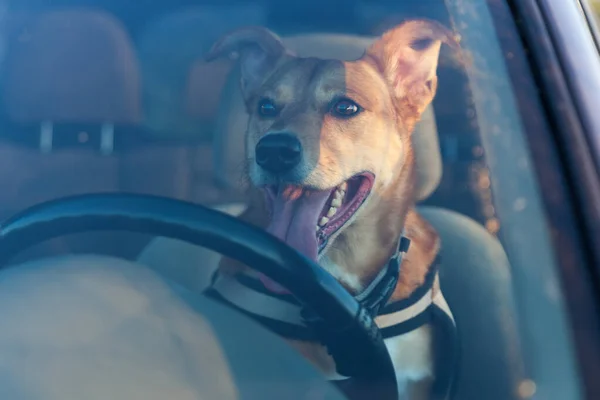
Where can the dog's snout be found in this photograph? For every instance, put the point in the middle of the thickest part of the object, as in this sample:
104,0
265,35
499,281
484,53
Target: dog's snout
278,152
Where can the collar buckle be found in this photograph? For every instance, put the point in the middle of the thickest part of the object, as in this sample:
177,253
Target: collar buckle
379,291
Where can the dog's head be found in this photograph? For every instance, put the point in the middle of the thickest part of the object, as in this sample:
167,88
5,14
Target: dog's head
328,142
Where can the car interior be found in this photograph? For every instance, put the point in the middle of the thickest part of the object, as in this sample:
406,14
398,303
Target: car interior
111,96
147,115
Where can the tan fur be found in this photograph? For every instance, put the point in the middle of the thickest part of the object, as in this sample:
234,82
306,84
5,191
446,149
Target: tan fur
394,82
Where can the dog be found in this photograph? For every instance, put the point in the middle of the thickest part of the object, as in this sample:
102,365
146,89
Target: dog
331,169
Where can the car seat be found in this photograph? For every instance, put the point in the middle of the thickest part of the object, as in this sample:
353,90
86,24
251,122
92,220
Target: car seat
70,86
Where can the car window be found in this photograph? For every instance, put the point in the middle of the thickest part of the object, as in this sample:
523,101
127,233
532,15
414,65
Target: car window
150,115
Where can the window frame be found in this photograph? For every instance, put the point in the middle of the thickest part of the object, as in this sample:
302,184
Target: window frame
564,137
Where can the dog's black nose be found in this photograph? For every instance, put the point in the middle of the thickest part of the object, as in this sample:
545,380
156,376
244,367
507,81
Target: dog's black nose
278,152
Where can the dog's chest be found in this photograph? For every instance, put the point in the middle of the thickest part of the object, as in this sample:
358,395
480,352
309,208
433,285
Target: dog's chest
411,354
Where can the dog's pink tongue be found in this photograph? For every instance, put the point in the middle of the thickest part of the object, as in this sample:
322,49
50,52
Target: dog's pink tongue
294,220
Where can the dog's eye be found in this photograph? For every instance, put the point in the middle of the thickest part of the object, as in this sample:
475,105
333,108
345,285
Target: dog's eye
345,108
266,108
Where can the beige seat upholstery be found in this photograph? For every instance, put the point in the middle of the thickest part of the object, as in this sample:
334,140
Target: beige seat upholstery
178,92
69,67
180,96
64,68
73,66
189,265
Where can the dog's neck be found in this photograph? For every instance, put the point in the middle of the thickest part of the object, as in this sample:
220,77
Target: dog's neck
389,214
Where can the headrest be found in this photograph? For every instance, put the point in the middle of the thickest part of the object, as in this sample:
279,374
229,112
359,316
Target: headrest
72,66
232,118
178,91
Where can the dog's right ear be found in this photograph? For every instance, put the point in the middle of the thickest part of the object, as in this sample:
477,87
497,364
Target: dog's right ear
407,56
259,51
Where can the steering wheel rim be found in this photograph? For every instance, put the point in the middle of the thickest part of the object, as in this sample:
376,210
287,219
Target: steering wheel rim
314,288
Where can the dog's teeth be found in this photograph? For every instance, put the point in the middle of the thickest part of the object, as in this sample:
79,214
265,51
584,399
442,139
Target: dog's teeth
331,212
323,221
336,202
317,228
343,186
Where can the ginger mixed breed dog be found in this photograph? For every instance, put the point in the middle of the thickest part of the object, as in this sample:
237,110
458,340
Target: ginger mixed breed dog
331,166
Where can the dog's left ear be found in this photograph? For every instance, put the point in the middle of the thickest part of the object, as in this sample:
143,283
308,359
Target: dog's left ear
407,56
259,51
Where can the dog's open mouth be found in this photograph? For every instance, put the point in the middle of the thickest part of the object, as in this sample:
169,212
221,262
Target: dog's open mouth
306,219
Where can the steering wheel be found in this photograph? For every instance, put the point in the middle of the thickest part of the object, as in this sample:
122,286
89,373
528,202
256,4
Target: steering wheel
346,328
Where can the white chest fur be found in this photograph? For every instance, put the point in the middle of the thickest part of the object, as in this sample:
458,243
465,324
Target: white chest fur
412,356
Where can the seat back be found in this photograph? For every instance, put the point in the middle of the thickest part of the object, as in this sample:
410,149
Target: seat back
475,277
73,66
71,77
175,79
180,95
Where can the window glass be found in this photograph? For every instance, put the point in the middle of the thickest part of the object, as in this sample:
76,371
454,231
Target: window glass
117,98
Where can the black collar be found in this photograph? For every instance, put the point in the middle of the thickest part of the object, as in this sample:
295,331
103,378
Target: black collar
378,292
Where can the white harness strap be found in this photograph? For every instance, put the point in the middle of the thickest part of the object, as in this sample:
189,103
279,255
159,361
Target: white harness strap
273,308
406,314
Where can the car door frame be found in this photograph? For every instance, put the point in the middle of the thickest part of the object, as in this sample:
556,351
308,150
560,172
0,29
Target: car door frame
562,55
